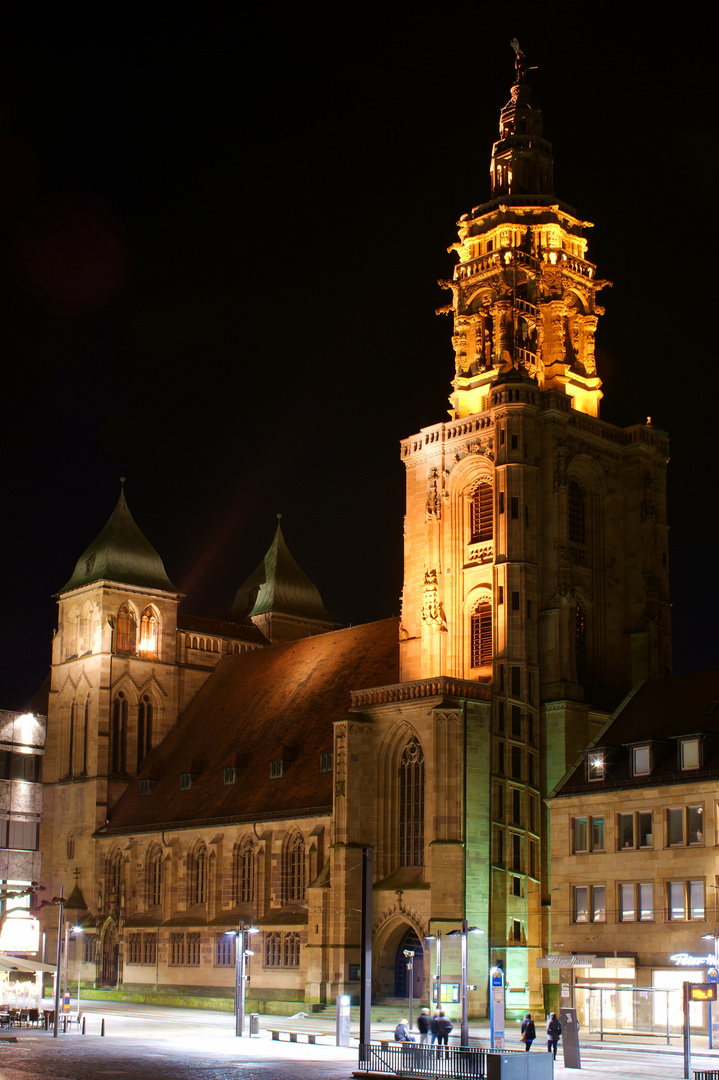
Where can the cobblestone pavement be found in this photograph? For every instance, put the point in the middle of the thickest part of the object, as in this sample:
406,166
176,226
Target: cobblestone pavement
153,1043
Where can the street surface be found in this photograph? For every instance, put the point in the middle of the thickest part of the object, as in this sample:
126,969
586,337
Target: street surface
144,1042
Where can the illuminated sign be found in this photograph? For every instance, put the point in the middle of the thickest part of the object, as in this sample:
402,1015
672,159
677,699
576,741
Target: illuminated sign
702,991
683,959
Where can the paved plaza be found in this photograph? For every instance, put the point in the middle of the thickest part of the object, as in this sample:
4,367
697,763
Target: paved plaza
144,1042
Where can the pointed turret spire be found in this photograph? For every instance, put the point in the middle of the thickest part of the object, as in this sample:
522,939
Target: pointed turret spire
522,162
120,553
280,598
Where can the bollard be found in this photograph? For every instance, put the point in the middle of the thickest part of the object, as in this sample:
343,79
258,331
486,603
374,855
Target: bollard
64,1025
83,1024
102,1027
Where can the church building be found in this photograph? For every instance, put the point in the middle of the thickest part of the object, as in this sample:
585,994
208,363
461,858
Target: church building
201,774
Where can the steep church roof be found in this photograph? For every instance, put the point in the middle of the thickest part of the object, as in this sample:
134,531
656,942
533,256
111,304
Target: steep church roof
278,585
271,705
120,554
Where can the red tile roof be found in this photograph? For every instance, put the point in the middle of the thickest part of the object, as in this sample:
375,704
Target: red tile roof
276,703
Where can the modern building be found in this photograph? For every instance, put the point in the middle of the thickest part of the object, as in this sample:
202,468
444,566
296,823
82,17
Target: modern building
199,775
635,828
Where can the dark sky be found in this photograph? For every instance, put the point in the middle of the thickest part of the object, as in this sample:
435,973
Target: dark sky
219,248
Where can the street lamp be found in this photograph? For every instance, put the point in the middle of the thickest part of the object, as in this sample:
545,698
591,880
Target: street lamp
715,938
66,976
409,957
438,977
242,951
464,1037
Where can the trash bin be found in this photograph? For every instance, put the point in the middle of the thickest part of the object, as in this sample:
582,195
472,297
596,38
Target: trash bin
254,1023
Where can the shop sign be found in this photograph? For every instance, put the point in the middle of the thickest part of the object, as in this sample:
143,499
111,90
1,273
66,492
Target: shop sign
683,959
558,961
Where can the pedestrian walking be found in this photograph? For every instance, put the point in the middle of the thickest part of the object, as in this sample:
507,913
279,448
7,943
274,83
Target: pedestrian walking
443,1026
433,1027
554,1030
529,1033
423,1026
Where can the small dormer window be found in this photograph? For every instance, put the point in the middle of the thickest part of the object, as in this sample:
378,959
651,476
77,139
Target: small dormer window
326,762
187,779
641,761
230,774
277,769
596,766
689,753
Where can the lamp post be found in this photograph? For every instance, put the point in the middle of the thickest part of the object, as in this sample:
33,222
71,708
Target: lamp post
715,938
464,1036
409,957
56,1003
438,977
242,951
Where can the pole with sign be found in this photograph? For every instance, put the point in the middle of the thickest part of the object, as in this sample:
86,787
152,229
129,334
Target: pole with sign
496,1009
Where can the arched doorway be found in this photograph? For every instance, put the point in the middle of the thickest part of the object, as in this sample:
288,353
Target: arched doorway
409,942
110,954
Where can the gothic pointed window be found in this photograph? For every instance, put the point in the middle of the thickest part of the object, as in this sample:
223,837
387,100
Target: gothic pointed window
126,629
580,642
576,512
148,633
411,805
245,872
199,875
481,635
154,877
118,734
295,860
115,876
144,729
482,512
71,740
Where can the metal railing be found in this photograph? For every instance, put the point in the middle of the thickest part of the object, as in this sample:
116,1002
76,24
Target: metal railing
414,1059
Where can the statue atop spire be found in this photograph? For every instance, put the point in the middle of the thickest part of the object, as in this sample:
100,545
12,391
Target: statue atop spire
520,62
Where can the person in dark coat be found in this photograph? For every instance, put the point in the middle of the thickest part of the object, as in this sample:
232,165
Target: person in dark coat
402,1033
423,1023
529,1033
554,1030
433,1027
443,1026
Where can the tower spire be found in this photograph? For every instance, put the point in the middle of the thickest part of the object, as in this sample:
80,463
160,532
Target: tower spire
522,162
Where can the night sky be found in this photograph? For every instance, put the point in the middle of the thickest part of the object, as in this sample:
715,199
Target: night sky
219,249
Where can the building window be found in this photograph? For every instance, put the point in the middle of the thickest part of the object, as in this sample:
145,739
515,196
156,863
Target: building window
148,633
177,949
636,902
641,764
411,805
225,949
685,825
597,834
481,635
199,875
273,949
516,853
580,642
517,762
245,872
689,753
118,736
482,513
627,907
277,769
581,835
326,762
581,909
589,903
516,930
230,775
126,629
295,886
516,806
599,911
154,882
646,901
144,729
115,877
291,950
134,948
517,721
596,766
193,949
576,513
89,954
685,900
533,859
149,942
22,835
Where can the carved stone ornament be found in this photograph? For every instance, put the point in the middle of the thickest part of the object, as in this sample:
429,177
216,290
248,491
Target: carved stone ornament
432,614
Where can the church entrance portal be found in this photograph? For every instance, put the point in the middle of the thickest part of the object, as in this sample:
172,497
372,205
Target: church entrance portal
410,941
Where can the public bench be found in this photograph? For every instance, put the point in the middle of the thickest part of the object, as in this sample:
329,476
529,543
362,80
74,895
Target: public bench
296,1036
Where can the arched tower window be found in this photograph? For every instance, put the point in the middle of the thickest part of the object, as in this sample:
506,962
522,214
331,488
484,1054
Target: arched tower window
199,875
411,805
245,872
115,876
144,728
580,642
576,513
482,513
295,858
148,632
126,629
71,740
154,877
480,633
118,734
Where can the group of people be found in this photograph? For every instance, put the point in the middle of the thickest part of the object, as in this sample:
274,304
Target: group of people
529,1033
431,1030
436,1029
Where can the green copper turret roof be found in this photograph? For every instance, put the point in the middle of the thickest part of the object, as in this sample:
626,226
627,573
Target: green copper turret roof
279,586
120,554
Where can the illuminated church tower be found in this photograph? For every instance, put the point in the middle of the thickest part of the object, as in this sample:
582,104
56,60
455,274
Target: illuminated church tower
535,533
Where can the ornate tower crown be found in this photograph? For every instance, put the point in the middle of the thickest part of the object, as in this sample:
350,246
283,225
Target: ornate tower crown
524,294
